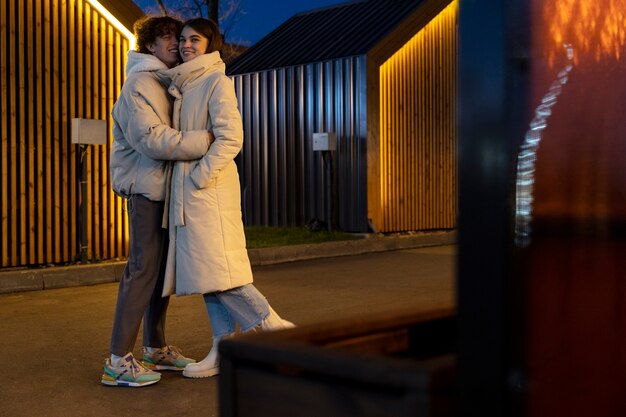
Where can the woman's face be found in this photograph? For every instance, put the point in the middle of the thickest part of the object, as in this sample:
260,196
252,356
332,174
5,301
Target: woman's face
191,44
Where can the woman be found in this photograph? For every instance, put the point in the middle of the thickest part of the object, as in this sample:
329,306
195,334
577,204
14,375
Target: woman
207,253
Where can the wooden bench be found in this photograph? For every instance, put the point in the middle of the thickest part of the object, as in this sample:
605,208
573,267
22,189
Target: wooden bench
399,364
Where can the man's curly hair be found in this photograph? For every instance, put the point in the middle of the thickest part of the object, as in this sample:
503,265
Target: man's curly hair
148,28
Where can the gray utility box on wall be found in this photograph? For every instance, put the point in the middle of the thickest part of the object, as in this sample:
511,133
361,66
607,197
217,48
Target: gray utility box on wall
89,131
324,141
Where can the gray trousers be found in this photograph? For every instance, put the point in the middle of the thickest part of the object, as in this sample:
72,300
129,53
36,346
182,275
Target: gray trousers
141,284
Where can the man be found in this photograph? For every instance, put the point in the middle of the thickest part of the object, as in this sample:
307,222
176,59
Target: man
142,141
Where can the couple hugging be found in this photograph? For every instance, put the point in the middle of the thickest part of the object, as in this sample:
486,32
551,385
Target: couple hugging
177,130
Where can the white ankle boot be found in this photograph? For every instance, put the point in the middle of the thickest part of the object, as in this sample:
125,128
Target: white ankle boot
275,322
207,367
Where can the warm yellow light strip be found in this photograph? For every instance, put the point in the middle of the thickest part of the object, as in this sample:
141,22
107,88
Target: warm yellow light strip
113,20
416,126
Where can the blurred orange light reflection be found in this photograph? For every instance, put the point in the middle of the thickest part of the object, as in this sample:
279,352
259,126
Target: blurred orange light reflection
597,27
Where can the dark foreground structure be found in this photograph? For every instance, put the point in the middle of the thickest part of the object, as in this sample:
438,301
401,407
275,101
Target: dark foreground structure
538,329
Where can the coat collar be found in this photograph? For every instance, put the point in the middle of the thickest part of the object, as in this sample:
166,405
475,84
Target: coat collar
139,62
184,75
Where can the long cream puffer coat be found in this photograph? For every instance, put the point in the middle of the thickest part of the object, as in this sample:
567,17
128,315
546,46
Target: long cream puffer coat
207,249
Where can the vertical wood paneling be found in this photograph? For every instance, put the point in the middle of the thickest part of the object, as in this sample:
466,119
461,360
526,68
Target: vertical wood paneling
12,162
4,118
55,122
21,132
73,75
32,238
59,60
47,122
91,71
40,227
63,133
104,156
99,35
417,131
113,208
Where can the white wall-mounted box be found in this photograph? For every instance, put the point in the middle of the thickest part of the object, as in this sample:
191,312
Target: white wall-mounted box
89,131
326,141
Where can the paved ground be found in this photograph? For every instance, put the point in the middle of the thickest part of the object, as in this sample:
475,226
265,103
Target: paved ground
54,342
34,279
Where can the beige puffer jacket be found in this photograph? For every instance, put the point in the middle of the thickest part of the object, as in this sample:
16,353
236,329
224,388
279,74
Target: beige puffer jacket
207,251
142,134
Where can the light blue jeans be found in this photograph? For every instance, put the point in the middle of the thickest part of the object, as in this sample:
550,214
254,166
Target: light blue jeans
244,305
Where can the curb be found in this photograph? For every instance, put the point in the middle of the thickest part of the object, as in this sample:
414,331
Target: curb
78,275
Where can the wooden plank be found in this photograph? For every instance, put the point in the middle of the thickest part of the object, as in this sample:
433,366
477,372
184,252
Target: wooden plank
413,129
40,109
119,235
48,130
4,119
13,139
20,135
32,236
107,203
82,97
56,133
88,93
64,136
73,76
87,46
114,205
95,112
79,20
123,203
97,156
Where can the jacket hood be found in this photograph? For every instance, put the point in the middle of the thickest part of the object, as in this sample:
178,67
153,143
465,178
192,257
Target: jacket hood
187,72
139,62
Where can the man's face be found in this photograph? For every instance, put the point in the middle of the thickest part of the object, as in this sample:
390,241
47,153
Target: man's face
166,49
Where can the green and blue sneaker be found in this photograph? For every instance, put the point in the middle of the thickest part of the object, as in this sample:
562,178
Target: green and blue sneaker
167,358
128,373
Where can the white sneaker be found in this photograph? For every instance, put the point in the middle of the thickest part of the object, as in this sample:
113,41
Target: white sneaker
275,322
208,366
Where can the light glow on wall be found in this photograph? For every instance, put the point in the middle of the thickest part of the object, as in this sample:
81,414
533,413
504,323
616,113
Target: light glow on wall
417,130
113,20
597,27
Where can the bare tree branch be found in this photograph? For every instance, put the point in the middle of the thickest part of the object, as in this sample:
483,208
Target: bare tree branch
229,15
161,7
224,13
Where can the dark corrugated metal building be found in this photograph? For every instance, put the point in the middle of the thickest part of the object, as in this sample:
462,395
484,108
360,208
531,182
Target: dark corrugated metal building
381,76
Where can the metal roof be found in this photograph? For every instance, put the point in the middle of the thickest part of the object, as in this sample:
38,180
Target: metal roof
343,30
126,11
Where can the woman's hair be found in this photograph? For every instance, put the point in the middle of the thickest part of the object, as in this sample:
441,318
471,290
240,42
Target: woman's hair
209,30
148,28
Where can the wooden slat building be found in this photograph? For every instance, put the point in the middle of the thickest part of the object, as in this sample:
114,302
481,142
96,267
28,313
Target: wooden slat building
381,75
60,59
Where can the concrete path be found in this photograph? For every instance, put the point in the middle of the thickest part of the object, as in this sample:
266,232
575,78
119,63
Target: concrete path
54,342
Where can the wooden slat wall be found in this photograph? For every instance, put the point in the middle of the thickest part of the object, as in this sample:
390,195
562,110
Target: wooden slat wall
60,59
418,174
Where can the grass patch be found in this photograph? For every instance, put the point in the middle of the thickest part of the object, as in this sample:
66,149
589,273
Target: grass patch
265,237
